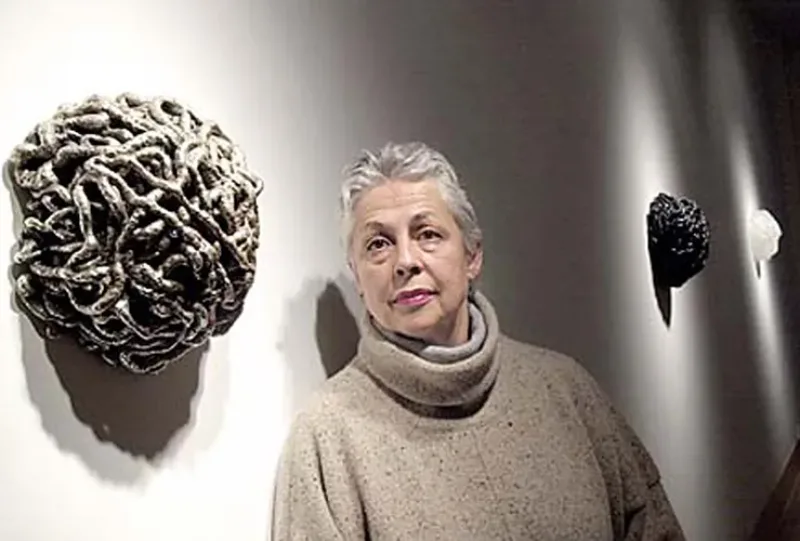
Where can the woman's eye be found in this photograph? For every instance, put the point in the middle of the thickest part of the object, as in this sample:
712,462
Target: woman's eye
376,244
430,234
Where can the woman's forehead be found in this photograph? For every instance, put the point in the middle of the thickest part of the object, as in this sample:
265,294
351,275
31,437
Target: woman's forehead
400,200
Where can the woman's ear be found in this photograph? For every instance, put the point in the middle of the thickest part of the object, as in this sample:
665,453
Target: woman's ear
475,262
354,274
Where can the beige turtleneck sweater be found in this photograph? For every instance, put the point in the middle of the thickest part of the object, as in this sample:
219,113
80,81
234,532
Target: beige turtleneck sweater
514,442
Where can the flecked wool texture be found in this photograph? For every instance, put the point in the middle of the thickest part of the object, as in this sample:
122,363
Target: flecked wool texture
515,442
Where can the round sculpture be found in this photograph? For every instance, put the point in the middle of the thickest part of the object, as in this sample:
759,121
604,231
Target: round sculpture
764,234
678,239
140,228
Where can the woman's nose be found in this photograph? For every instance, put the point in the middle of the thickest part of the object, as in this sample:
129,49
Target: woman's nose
407,259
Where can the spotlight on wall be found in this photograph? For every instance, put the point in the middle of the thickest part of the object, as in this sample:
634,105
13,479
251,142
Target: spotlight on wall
764,234
678,240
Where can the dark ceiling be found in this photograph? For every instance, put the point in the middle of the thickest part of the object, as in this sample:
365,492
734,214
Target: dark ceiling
774,18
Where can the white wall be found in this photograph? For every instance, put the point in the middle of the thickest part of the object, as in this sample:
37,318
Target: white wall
564,119
217,425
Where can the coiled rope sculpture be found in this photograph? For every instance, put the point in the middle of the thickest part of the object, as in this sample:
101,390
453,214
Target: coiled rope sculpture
140,228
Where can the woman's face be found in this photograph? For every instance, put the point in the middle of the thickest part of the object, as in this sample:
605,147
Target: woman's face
410,263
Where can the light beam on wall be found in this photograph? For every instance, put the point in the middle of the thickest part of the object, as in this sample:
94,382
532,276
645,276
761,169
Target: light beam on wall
771,360
666,382
770,357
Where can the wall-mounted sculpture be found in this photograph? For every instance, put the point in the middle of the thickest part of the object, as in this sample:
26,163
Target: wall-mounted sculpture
140,228
678,240
764,234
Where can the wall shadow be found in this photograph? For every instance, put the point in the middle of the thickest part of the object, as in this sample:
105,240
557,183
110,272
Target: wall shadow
662,292
131,420
320,336
664,301
137,415
336,330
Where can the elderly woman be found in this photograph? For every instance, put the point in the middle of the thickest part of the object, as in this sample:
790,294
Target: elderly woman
441,427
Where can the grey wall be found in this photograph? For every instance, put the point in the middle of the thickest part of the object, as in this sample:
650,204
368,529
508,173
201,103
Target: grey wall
564,119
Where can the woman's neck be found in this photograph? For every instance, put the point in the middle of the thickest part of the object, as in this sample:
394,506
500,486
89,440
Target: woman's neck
456,331
434,375
473,336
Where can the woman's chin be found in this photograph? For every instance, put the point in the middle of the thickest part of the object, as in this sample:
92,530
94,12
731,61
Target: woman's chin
418,330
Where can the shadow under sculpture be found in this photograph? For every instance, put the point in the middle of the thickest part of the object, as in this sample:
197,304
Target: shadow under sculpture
140,229
678,242
140,416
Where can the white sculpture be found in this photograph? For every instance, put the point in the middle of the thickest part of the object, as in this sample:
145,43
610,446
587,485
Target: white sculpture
764,234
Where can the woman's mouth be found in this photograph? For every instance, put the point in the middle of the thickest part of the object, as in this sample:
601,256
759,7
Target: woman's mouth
415,297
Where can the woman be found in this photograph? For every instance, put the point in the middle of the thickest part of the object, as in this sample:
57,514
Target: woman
441,427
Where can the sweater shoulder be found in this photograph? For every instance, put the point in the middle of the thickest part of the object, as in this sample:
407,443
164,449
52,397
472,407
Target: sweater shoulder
542,361
333,403
554,372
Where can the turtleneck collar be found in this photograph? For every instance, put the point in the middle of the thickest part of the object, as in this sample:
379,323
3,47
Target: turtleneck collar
443,354
434,375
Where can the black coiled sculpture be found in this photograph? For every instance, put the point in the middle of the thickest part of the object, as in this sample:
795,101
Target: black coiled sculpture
678,240
140,228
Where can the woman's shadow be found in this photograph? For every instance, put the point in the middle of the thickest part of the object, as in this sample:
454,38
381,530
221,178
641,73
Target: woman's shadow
74,390
320,335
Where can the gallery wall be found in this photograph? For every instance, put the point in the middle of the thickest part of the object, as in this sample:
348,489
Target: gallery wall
564,119
726,378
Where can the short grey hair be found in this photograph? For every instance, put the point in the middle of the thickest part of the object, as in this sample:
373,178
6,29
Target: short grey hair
411,162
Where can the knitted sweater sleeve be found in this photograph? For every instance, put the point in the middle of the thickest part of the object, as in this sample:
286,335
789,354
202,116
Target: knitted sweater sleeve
314,497
641,510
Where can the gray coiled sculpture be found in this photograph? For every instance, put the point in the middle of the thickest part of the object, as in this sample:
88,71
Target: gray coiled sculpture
140,228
